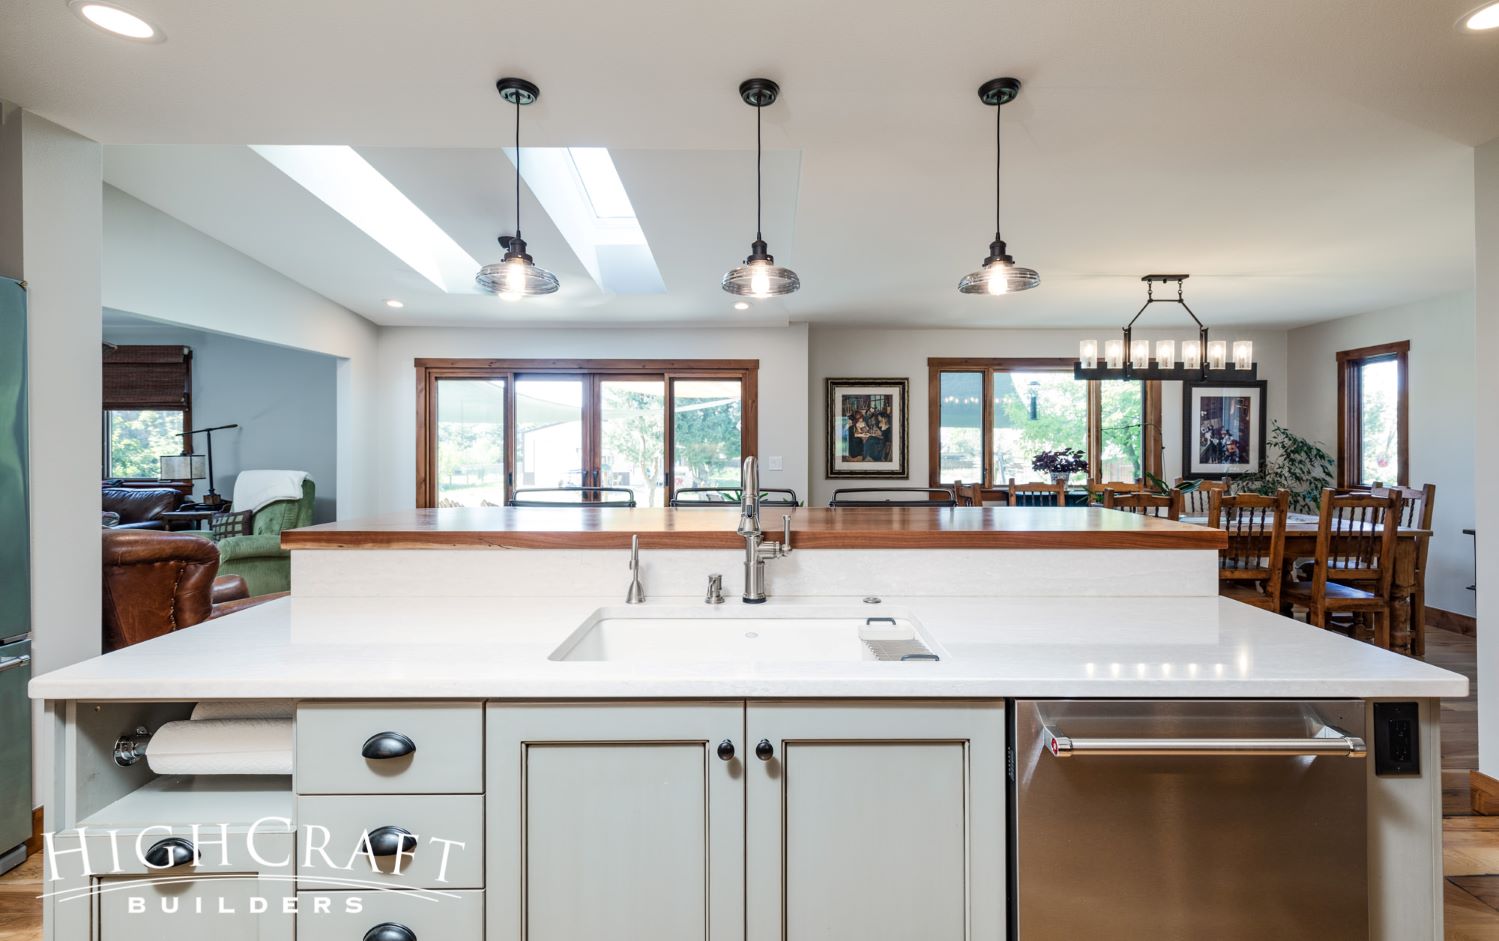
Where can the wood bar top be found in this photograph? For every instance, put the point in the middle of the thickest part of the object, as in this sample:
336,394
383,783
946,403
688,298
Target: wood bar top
1001,527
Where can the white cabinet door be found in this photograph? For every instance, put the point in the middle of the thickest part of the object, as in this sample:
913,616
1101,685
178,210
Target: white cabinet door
615,822
876,821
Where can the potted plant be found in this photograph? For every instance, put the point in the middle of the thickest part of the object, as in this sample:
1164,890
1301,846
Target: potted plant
1061,465
1293,464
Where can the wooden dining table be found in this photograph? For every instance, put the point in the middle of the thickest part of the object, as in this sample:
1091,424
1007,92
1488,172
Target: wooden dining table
1301,543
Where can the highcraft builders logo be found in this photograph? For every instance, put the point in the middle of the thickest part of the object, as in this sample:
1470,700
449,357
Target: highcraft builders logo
142,864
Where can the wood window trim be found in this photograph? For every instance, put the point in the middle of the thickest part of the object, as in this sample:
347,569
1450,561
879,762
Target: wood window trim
430,371
1152,444
1349,427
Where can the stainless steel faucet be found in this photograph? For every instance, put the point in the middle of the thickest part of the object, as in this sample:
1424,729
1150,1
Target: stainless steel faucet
636,594
756,550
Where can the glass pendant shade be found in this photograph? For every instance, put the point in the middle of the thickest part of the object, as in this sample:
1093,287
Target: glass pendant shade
1191,354
999,277
1165,353
1243,354
515,276
1087,353
760,277
1217,354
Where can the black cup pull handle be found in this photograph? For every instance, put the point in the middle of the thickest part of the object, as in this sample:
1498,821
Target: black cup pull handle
764,750
384,745
171,852
390,931
388,841
726,750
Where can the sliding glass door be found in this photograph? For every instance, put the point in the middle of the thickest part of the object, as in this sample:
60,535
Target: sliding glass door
489,429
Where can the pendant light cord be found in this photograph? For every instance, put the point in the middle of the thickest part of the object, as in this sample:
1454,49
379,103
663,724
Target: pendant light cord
998,155
517,167
759,151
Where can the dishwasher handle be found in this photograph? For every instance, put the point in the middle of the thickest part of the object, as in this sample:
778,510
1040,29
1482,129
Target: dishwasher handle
1335,744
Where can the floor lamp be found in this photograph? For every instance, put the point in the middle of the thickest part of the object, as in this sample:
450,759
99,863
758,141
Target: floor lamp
211,498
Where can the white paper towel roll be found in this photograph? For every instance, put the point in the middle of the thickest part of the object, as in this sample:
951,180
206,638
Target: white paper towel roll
222,746
245,709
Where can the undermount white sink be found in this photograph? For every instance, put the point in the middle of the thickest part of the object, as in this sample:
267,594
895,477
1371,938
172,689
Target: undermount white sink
738,632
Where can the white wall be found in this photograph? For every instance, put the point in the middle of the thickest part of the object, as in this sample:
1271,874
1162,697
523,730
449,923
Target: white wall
1486,453
1441,383
160,268
897,353
284,401
57,175
782,352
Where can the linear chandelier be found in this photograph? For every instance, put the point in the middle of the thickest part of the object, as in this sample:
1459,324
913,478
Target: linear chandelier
1201,358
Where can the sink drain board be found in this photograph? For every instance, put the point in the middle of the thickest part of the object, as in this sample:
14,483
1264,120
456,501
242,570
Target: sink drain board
889,640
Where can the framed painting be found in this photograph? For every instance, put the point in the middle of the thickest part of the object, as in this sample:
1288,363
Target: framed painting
1223,428
867,428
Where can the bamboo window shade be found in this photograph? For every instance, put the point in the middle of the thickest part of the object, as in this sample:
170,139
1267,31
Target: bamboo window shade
148,377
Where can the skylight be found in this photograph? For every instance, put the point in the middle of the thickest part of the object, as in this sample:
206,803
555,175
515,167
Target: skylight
582,193
347,183
606,192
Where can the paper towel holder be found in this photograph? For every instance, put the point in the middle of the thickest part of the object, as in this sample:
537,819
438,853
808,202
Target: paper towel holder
131,747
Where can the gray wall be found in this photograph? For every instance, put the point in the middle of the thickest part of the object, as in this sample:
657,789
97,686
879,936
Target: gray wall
1486,450
284,400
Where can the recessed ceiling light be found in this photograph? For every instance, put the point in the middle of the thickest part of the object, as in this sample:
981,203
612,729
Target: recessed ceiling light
741,305
1482,19
115,20
392,302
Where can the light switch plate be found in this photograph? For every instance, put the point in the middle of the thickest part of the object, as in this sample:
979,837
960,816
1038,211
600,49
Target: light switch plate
774,463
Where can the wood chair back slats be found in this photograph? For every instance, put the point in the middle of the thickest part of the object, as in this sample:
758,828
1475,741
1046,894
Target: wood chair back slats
1197,502
1037,494
1256,528
1356,540
1098,491
968,494
1161,505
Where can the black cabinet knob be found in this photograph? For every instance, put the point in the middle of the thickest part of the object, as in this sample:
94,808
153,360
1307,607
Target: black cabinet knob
388,841
726,750
390,931
764,750
173,851
384,745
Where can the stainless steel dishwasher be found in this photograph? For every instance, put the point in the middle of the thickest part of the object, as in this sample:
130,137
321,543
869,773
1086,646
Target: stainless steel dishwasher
1186,819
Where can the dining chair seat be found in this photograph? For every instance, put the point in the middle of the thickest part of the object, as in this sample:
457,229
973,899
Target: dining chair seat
1301,593
1249,594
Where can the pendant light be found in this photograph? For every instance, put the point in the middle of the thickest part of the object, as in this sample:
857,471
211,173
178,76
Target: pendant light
516,276
1000,274
760,276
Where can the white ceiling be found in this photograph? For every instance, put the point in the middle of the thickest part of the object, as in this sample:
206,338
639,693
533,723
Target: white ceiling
1303,160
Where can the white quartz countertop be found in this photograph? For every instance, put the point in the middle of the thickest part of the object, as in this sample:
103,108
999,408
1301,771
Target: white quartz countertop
384,648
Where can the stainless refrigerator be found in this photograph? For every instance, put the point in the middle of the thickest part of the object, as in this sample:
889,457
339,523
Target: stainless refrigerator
15,583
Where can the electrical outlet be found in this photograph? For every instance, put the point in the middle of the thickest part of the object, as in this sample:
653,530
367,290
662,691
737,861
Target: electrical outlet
1397,738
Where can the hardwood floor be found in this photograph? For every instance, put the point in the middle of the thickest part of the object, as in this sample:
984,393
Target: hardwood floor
1470,843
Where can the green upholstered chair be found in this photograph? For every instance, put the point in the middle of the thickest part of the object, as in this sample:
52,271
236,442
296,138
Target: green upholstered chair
258,556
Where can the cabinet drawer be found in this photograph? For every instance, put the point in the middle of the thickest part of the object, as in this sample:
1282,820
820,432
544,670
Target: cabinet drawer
447,742
448,831
228,895
326,916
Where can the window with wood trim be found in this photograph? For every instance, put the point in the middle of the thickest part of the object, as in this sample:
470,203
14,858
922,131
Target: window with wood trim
1373,415
148,394
487,428
987,419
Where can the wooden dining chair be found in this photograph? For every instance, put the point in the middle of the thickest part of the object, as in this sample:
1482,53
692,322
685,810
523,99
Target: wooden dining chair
1195,502
1038,494
1355,546
1249,570
1098,491
968,494
1417,506
1160,505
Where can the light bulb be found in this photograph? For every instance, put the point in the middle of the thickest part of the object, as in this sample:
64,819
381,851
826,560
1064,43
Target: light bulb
515,281
760,281
1217,354
1087,353
1243,354
1113,353
1139,354
1191,354
997,283
1165,353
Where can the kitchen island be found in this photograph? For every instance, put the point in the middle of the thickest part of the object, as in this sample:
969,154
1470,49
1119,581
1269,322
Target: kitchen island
579,767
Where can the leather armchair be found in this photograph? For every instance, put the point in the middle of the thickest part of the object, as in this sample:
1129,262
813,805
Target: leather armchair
139,508
157,582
